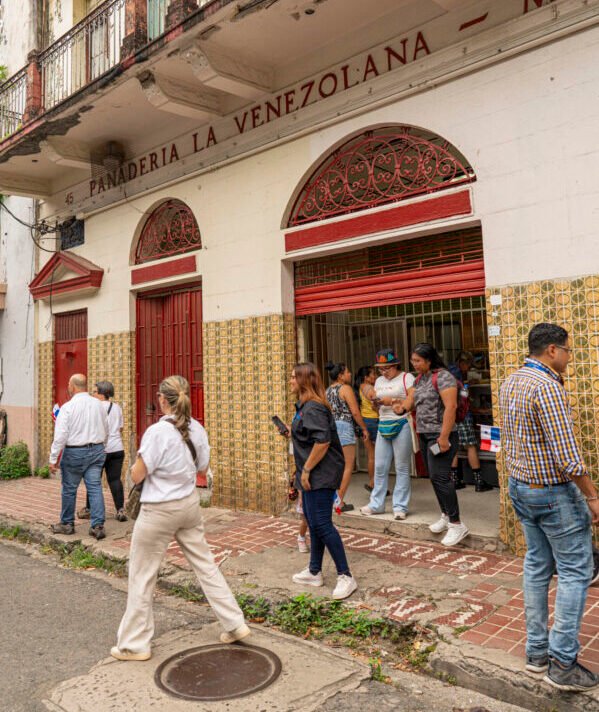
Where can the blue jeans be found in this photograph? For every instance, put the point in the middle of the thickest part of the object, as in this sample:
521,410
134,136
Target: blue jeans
85,463
318,510
400,449
557,526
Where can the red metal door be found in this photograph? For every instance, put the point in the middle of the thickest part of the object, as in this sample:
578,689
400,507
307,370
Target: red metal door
70,350
169,341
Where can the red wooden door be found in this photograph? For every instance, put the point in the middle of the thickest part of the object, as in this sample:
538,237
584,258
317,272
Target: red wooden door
169,341
70,350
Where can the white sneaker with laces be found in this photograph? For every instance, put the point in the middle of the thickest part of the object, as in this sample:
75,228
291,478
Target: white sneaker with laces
305,578
129,654
455,534
440,525
367,511
346,585
399,515
232,636
301,545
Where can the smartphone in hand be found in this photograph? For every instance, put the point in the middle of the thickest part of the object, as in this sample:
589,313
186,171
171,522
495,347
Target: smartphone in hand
280,425
435,449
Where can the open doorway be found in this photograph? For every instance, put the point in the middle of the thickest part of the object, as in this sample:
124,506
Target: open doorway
354,333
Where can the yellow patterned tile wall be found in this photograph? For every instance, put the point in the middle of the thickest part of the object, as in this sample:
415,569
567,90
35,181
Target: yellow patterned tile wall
45,375
247,363
111,357
574,304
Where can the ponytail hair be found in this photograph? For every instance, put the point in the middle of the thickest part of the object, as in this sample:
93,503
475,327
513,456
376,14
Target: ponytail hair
361,375
335,370
175,390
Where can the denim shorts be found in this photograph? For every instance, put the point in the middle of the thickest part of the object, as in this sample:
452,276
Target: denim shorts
346,433
372,425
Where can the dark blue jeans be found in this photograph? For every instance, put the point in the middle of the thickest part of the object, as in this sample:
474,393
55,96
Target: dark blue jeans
318,510
85,463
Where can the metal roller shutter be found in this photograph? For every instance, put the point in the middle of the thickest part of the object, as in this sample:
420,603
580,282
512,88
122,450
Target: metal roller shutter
438,267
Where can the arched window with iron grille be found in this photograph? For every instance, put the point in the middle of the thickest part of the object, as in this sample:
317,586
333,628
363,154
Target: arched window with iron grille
377,167
171,229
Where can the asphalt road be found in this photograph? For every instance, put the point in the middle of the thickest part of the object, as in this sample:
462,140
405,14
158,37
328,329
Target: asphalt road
56,623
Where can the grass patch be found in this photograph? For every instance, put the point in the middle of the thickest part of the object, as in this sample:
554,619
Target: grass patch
310,616
79,557
255,608
187,593
16,532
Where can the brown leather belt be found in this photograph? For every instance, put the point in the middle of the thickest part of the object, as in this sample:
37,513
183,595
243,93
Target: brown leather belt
554,484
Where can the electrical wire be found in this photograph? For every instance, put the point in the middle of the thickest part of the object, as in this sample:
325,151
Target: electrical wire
42,228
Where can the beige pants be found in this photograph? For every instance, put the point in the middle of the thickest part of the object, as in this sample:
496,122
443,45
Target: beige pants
154,529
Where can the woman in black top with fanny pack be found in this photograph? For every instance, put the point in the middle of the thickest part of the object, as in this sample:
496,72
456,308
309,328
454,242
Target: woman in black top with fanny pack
319,461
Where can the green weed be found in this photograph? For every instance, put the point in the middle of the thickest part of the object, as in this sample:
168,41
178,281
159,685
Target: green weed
81,558
255,608
376,670
189,594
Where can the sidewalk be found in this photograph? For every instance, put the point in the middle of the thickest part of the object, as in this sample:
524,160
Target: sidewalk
473,597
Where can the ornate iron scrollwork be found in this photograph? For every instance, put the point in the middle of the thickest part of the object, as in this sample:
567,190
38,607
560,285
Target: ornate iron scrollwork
380,166
170,230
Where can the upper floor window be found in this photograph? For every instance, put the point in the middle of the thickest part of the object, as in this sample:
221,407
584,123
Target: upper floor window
170,230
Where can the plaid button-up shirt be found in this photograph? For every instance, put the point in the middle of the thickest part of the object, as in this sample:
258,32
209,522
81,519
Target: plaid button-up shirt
536,427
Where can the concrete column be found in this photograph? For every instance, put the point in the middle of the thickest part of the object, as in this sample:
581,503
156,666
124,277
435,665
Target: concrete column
136,27
33,102
177,11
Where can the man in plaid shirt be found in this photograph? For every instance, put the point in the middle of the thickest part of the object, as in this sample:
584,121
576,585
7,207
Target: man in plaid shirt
556,503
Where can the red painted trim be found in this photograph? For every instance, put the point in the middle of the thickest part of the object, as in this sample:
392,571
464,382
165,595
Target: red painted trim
162,270
456,280
437,208
90,276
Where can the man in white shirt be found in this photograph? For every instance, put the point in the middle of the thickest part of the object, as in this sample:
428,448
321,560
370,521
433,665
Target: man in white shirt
80,433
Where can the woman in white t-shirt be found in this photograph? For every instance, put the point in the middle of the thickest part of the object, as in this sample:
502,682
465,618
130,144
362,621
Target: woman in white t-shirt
394,438
171,453
114,449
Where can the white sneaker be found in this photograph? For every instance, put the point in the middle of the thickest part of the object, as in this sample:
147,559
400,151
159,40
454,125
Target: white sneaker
367,511
455,534
346,585
129,654
399,515
302,547
232,636
440,525
305,578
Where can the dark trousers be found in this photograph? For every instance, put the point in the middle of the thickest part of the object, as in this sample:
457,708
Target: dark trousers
114,466
318,510
439,469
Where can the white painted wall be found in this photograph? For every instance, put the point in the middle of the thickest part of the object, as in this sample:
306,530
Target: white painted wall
17,259
528,125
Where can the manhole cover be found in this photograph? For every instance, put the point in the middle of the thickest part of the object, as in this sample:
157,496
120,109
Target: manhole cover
218,672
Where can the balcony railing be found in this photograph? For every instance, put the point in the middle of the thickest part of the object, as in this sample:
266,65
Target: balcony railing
90,49
85,53
13,96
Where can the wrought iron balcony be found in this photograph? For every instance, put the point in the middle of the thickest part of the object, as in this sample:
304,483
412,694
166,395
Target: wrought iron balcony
87,52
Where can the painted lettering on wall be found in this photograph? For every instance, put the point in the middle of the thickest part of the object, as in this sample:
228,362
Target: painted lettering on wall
404,51
386,58
161,157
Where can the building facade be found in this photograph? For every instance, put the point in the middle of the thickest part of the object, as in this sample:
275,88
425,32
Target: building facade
240,185
18,256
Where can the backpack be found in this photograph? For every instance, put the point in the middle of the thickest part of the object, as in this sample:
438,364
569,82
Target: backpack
463,397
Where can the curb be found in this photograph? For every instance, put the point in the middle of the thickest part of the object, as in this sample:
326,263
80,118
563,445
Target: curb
478,670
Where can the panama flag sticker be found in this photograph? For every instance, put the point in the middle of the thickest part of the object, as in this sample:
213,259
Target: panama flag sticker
490,438
55,411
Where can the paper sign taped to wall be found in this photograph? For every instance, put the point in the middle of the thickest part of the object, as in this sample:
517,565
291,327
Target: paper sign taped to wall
495,299
494,330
